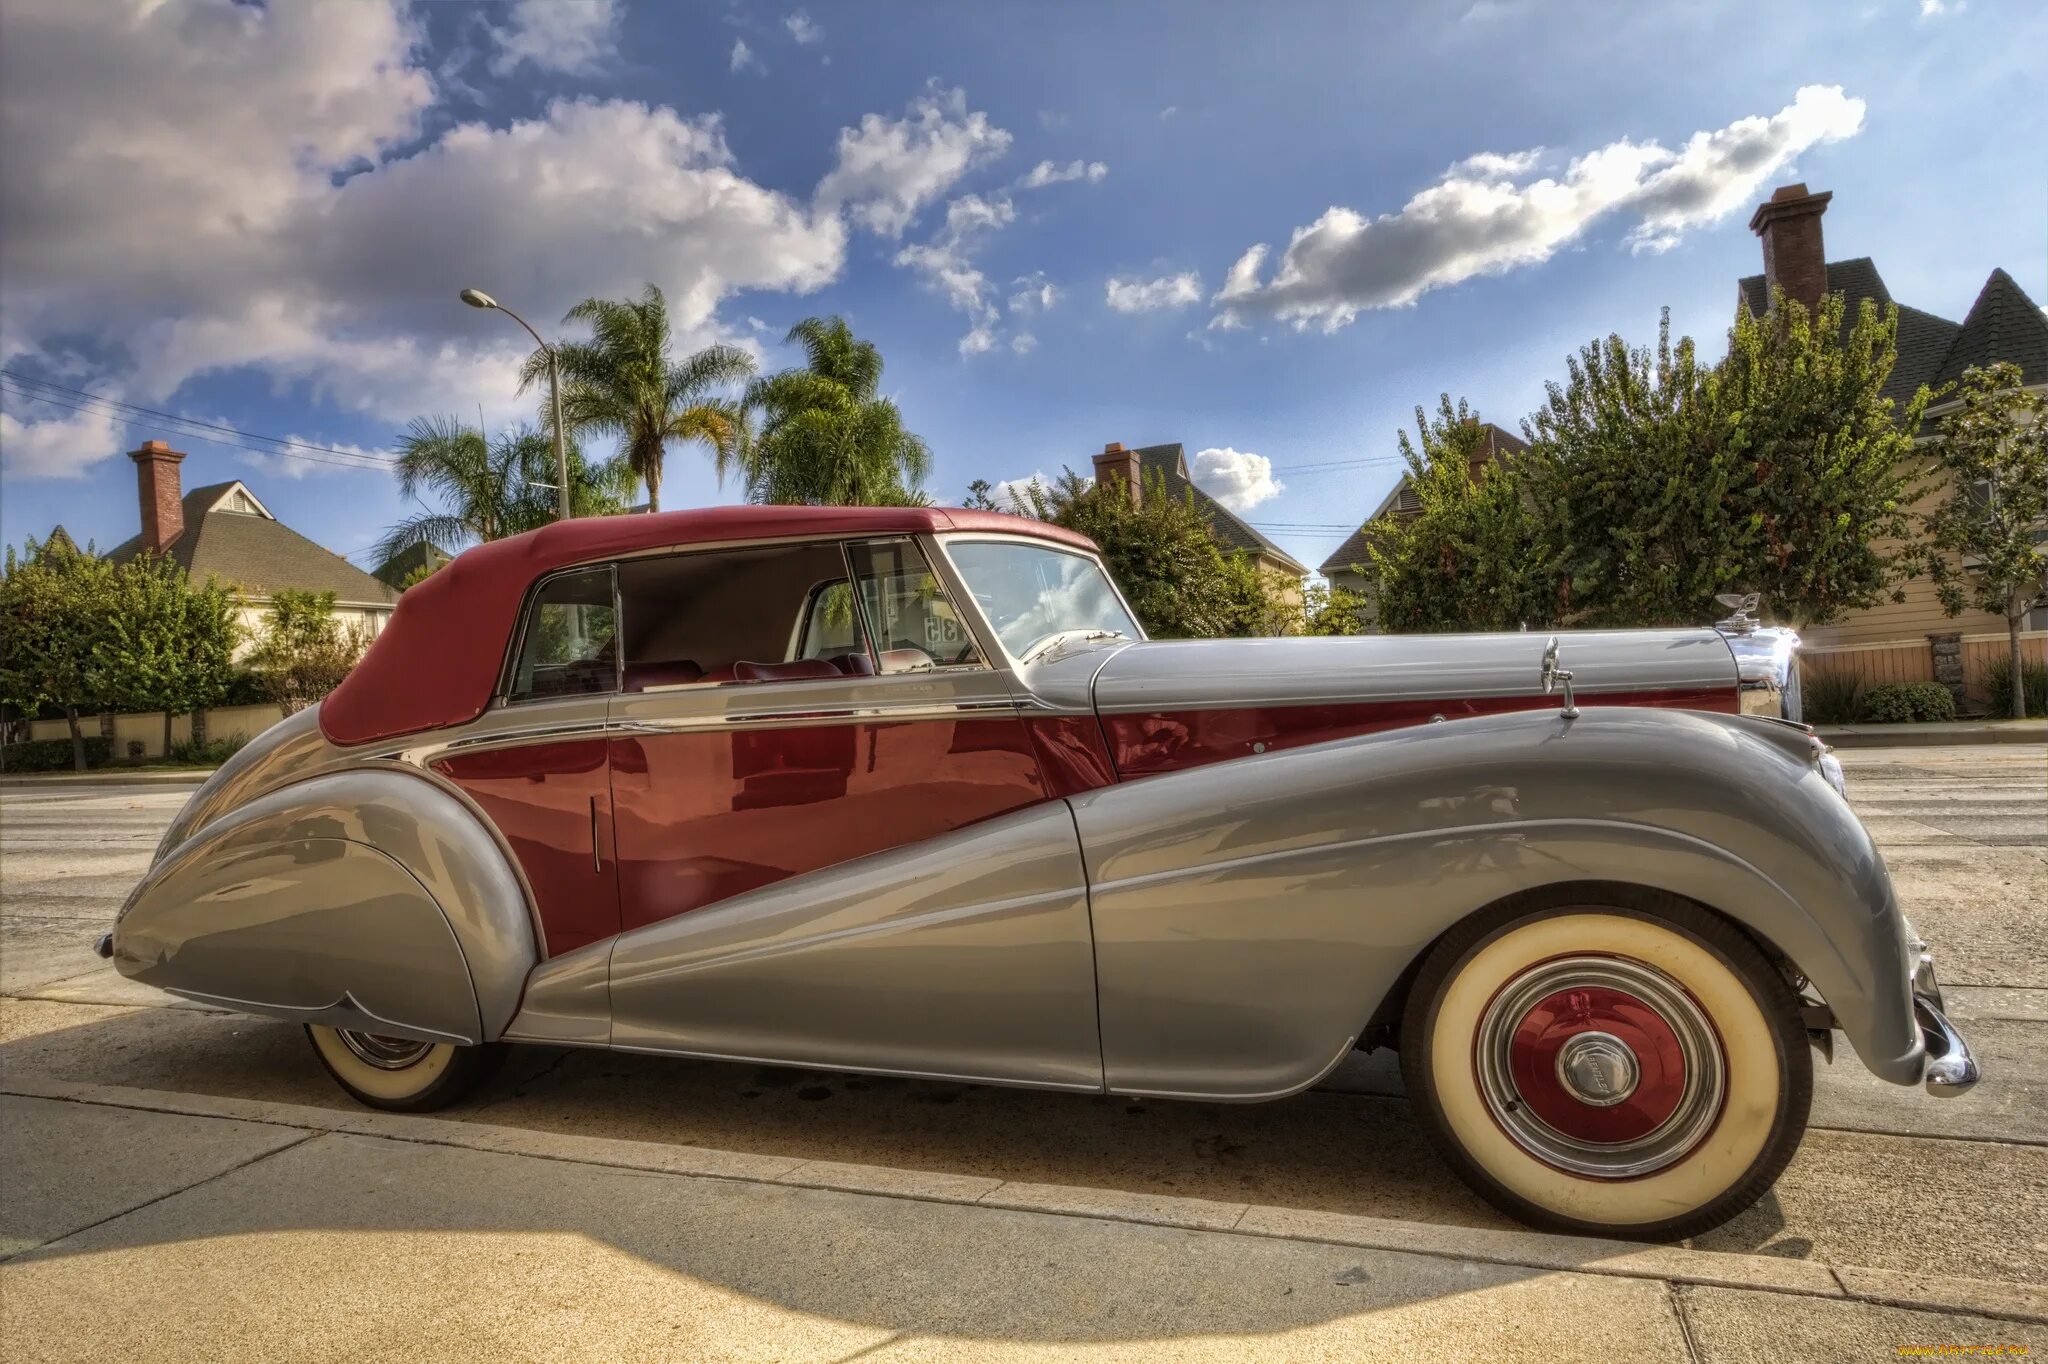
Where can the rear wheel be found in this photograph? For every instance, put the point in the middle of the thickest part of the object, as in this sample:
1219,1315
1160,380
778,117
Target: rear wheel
1639,1070
399,1073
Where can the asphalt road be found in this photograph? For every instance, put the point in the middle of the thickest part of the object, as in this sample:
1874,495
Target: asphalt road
1887,1178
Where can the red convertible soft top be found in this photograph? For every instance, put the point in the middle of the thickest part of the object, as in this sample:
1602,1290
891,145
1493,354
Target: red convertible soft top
437,661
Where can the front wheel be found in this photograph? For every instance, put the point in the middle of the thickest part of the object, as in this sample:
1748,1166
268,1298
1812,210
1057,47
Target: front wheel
1630,1071
399,1073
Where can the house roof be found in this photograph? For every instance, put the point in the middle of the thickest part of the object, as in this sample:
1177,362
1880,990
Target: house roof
1356,551
395,570
437,662
2003,324
1169,463
255,553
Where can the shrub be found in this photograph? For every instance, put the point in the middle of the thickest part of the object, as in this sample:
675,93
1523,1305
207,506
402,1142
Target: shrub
54,755
212,753
1830,695
2033,681
1899,702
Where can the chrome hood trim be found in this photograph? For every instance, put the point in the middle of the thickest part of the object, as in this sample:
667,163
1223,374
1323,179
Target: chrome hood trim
1211,674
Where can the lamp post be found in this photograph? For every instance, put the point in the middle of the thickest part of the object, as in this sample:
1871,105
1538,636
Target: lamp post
477,298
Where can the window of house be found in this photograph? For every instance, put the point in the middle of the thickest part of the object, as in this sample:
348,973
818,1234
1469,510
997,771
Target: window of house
570,644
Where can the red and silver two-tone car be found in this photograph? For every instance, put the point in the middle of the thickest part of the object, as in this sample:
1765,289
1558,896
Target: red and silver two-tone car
908,791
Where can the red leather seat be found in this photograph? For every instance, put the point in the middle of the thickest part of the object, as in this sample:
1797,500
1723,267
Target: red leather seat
856,665
800,669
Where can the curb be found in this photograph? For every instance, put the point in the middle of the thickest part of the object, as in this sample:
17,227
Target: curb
1932,735
104,777
1520,1249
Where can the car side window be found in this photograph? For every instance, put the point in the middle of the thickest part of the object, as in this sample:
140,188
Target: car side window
759,614
907,609
570,645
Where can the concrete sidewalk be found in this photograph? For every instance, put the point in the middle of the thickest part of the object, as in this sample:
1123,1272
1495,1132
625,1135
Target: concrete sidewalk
146,1224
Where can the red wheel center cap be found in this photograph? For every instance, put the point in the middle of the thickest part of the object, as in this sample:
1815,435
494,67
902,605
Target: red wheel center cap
1597,1064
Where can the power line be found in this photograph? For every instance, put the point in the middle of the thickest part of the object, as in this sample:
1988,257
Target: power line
83,400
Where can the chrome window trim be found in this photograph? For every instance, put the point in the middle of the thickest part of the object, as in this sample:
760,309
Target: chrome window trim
508,670
986,630
949,585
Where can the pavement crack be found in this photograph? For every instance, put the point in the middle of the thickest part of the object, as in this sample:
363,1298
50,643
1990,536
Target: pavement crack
151,1202
1676,1292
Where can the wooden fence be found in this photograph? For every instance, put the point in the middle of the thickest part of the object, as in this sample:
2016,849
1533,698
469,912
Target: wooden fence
1875,664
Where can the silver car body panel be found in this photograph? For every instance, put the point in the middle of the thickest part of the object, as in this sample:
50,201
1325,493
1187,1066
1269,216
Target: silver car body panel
964,957
1246,673
1250,915
374,889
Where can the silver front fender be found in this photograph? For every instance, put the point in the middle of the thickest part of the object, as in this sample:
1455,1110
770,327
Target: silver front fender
369,899
1249,916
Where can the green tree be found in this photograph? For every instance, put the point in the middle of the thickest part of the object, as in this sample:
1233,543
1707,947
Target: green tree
1988,537
1464,561
980,496
489,489
827,437
1160,552
303,652
622,382
168,645
1658,482
56,607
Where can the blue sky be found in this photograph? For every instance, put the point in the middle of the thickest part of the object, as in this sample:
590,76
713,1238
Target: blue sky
1044,214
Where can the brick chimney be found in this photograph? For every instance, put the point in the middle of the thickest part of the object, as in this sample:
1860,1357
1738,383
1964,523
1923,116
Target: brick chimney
1120,464
162,497
1794,259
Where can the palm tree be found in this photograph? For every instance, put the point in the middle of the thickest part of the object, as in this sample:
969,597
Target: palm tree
488,489
621,382
826,438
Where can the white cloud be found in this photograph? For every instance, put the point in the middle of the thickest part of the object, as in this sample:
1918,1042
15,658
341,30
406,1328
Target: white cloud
187,216
1149,295
1934,9
1168,112
1496,165
803,28
889,169
1034,293
1046,173
54,443
1023,343
1012,492
573,37
947,264
1477,220
1239,479
743,58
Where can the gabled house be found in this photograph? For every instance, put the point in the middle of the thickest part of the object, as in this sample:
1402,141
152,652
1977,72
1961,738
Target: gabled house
1350,567
224,531
1169,465
1914,639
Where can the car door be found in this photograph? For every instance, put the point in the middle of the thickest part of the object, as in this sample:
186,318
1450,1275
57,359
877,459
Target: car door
538,764
834,842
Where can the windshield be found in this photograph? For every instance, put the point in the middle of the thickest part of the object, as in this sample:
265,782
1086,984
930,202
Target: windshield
1029,593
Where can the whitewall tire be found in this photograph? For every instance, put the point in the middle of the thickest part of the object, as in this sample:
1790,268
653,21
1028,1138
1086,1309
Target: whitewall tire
398,1073
1636,1069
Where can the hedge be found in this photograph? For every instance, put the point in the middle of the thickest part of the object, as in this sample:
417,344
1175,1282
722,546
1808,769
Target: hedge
54,755
1898,702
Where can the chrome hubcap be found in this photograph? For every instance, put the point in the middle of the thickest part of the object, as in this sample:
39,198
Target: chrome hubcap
385,1053
1600,1066
1597,1068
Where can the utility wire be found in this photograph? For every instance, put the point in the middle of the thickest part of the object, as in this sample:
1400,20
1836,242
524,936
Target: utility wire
135,415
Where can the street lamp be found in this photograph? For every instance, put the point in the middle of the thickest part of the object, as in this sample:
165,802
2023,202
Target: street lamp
477,298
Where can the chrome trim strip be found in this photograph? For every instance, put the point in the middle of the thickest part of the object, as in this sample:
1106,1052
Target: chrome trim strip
344,1014
836,1068
1255,701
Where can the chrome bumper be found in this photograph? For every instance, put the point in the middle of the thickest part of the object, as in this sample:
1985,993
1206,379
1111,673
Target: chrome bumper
1950,1069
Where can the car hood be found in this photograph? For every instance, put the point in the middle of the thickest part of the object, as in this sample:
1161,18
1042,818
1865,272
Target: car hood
1622,665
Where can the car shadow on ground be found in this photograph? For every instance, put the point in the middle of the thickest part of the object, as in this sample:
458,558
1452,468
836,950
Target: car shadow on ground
1326,1151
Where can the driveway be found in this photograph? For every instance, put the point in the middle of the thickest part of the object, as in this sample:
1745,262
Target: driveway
1889,1182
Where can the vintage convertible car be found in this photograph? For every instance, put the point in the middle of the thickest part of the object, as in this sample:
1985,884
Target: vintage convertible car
908,791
